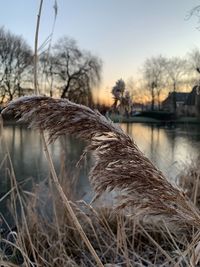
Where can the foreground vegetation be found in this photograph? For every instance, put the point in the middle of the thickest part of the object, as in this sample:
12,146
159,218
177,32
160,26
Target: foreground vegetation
143,119
152,223
46,235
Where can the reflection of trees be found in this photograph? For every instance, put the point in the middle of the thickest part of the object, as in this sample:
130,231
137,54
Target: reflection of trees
17,145
26,150
21,143
72,148
13,142
155,143
28,159
173,143
128,128
66,158
152,143
180,136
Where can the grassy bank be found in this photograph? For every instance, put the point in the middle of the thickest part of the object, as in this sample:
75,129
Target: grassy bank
46,238
141,119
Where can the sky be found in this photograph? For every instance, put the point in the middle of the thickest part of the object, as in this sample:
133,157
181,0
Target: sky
123,33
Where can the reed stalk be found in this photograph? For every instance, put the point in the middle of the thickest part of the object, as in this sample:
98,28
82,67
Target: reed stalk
50,162
36,49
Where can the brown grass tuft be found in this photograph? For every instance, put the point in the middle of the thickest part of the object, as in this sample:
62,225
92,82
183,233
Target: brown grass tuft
116,238
190,182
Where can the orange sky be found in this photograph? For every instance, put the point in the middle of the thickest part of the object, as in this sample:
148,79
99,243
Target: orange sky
104,96
123,33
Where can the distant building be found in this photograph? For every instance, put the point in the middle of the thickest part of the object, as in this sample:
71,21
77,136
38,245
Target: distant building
187,104
180,97
192,104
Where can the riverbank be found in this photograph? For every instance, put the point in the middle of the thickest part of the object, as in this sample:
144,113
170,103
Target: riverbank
141,119
134,119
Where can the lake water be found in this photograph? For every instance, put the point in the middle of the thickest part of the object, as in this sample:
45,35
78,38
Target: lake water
170,148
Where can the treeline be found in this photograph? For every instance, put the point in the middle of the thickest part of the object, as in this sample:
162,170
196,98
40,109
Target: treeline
162,75
158,77
65,70
15,61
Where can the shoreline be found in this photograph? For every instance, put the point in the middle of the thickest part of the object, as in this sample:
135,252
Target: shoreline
119,119
140,119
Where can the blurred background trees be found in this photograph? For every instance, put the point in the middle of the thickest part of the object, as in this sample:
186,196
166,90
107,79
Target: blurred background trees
176,70
15,62
122,98
118,92
67,71
75,71
154,75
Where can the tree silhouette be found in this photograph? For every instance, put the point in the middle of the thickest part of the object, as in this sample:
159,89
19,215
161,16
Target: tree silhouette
76,71
154,77
121,96
176,69
15,62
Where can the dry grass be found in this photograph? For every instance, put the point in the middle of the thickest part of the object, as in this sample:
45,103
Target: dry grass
171,238
190,182
119,164
116,238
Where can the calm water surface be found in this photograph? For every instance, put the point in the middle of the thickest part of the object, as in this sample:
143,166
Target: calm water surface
171,149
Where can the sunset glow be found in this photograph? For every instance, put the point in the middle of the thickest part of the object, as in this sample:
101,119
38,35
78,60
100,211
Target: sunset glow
121,33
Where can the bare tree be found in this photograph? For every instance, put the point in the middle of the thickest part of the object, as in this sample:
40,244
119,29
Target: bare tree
47,67
194,12
118,92
194,59
195,55
133,89
176,69
122,96
194,65
15,58
154,73
77,71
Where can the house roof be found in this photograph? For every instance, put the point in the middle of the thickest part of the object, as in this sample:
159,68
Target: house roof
191,97
180,97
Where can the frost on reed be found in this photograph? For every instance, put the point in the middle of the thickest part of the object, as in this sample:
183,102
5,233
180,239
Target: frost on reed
119,164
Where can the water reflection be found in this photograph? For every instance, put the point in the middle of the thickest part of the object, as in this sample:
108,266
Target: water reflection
168,148
171,149
28,159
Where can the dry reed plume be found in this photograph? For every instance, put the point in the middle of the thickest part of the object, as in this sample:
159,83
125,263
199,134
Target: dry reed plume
119,164
190,182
